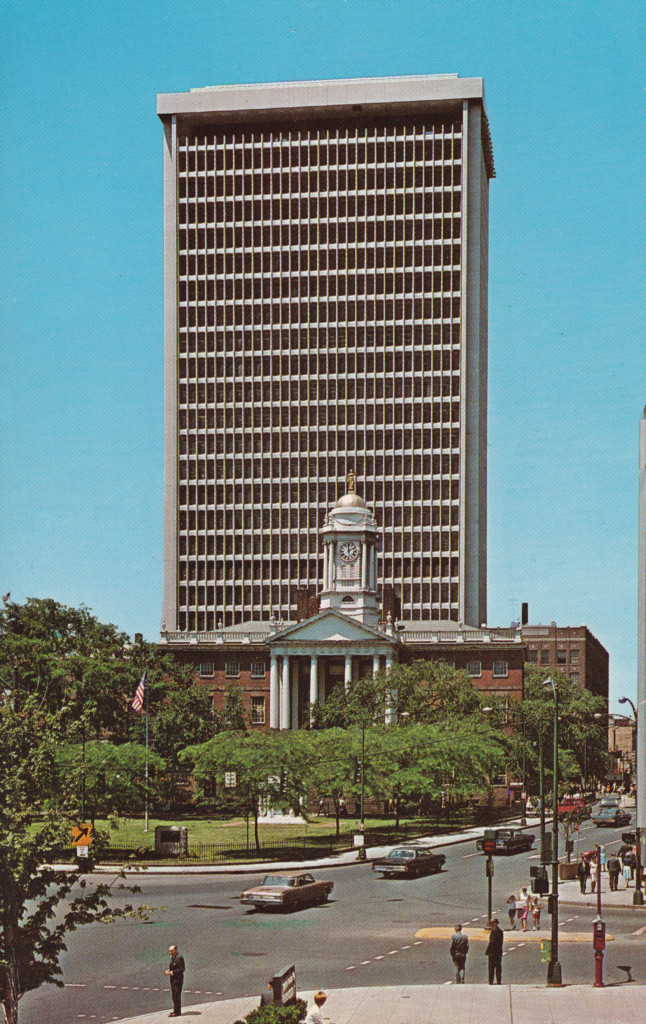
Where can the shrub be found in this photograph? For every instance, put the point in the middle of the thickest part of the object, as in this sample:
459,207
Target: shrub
277,1014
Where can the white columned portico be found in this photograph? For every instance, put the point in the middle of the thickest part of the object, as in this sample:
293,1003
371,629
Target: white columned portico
347,675
273,692
314,679
376,664
284,695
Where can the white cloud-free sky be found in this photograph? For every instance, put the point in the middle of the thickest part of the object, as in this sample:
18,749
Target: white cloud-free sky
81,400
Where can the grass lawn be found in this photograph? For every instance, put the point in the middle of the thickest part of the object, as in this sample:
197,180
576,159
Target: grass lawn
234,830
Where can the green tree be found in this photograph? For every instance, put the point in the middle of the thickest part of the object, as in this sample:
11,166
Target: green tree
39,904
582,729
270,768
112,777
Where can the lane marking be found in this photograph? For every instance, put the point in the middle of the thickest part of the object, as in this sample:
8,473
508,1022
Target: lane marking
382,957
69,984
391,952
405,947
351,968
640,931
465,856
364,962
448,982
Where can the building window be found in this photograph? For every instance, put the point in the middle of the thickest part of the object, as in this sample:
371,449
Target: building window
532,657
545,656
474,668
257,670
257,710
500,669
561,657
574,677
207,669
574,656
232,669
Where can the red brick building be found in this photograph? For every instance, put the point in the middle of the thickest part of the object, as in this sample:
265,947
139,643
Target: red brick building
283,667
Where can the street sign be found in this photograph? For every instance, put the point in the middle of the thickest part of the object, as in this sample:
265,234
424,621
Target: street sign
81,835
230,780
82,851
489,846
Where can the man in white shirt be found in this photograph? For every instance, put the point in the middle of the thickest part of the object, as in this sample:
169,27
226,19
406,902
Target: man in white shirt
314,1015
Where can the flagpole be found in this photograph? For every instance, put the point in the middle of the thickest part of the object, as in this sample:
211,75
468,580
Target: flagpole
146,770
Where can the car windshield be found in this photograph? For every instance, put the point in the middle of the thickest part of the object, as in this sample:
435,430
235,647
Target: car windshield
279,880
402,854
607,812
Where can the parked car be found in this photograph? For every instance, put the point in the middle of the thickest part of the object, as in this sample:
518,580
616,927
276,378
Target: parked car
506,840
611,817
409,862
287,891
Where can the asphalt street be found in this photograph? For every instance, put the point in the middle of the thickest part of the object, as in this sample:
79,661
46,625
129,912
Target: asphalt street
365,935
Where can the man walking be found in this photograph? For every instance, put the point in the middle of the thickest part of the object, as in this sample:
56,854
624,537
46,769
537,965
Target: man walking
583,873
494,951
614,869
458,949
175,972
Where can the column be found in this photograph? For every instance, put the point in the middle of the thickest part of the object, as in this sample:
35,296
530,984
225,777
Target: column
284,695
391,696
364,565
348,671
273,692
314,679
376,665
325,567
295,674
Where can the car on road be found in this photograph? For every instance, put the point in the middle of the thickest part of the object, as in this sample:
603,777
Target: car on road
409,862
610,800
505,840
611,817
287,890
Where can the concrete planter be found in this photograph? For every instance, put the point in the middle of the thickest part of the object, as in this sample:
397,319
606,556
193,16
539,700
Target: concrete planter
567,872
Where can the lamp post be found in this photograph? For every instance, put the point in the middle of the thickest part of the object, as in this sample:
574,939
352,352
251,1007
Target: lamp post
638,897
554,978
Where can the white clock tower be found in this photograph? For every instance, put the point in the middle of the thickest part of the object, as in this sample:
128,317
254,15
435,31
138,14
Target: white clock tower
350,559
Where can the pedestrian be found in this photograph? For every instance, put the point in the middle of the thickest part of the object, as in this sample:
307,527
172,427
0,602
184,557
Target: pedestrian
494,951
175,972
602,858
523,906
314,1015
614,869
537,906
625,871
630,858
511,910
321,807
458,949
583,873
591,859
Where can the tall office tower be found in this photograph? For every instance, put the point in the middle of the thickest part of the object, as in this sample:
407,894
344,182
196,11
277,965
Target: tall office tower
325,312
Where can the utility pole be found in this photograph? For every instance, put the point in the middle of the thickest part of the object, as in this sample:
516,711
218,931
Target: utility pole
554,978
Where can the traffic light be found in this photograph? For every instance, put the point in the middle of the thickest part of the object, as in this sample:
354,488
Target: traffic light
358,765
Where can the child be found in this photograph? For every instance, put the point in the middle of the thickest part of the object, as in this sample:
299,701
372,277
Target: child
314,1015
511,910
537,906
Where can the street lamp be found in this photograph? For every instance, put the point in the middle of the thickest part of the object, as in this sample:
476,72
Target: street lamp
638,897
554,967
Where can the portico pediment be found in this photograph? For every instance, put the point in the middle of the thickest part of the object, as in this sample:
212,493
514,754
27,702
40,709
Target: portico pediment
329,627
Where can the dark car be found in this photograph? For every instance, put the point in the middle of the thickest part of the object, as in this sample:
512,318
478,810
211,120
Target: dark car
409,862
505,840
287,890
611,817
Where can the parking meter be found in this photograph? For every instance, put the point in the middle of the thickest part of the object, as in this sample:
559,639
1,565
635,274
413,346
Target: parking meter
598,935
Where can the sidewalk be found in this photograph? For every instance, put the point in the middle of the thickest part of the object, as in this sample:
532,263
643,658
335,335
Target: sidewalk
446,1004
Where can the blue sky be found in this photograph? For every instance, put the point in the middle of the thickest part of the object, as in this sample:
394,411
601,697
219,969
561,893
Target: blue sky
81,307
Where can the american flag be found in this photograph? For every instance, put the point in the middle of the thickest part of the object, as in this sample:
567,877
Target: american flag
140,695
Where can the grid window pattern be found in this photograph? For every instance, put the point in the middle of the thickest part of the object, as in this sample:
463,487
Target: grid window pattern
257,670
319,330
258,710
500,670
232,669
207,669
474,668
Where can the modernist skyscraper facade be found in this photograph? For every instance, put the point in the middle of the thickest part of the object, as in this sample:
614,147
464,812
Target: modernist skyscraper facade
325,313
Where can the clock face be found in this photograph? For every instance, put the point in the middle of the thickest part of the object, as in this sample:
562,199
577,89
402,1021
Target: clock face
349,551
